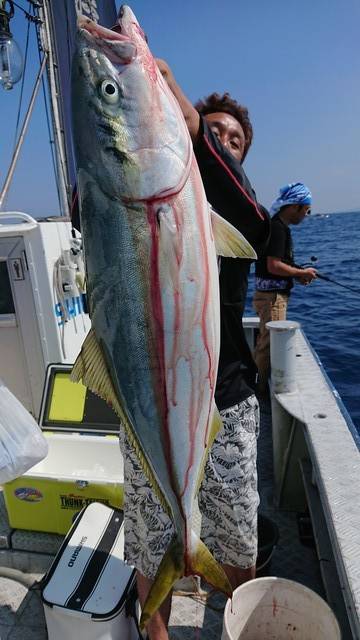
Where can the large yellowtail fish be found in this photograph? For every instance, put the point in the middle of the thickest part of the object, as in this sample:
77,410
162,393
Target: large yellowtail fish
152,277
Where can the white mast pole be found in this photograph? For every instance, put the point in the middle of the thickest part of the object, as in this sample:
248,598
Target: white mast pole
63,173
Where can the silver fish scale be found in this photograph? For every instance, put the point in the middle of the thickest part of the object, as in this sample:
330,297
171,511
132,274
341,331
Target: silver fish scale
118,287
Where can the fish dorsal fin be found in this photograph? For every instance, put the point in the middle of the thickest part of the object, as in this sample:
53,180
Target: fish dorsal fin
90,368
229,242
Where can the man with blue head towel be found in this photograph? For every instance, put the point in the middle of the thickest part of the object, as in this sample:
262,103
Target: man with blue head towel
276,270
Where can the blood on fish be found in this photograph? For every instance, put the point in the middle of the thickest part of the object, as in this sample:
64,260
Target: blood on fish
212,372
157,308
144,53
177,306
195,411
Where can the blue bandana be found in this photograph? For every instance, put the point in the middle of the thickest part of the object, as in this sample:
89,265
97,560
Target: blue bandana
294,193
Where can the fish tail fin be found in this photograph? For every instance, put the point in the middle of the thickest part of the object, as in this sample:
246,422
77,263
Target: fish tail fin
203,563
172,567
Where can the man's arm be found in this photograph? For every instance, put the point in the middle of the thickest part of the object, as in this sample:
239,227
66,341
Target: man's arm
280,268
190,114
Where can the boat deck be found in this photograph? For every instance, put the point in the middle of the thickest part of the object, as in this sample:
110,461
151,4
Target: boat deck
194,616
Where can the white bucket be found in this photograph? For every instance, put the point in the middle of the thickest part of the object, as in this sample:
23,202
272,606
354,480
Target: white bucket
268,608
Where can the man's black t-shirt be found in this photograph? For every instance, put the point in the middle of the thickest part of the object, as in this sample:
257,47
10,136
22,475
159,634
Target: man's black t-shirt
230,193
280,246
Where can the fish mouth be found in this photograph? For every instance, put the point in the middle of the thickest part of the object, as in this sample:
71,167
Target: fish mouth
128,24
97,31
119,47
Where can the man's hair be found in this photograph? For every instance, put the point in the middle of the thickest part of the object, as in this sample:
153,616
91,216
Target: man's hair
215,103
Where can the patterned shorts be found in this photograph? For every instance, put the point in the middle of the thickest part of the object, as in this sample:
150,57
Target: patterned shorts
228,498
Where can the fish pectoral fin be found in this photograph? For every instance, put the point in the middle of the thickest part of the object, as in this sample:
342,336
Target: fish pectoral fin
90,368
172,567
229,242
204,564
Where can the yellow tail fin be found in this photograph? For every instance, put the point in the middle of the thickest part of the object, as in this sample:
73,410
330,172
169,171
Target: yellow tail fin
172,567
204,564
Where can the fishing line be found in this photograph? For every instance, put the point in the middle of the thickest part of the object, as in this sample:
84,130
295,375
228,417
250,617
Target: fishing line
339,284
322,276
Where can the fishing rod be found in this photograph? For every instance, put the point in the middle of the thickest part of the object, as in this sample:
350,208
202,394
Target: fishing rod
322,276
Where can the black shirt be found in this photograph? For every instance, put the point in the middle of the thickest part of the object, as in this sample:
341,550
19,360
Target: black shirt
280,246
230,193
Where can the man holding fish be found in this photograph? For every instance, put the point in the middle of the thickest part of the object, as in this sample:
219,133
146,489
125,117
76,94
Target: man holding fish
152,282
221,133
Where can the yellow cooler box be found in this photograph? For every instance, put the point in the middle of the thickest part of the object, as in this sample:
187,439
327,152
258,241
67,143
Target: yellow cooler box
84,463
78,470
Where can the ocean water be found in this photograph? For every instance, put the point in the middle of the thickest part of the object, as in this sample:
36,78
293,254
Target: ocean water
329,314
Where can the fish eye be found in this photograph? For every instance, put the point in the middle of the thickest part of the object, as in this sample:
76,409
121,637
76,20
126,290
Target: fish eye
109,91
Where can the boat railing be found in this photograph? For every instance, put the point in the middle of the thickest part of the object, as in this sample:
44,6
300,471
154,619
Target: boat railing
16,217
316,465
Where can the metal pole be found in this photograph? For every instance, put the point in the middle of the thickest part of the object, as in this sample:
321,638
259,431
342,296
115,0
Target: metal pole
283,355
20,140
63,175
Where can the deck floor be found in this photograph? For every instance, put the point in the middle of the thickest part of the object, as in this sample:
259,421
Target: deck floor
193,617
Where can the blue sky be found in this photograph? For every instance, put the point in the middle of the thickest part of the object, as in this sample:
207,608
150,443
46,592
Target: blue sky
294,64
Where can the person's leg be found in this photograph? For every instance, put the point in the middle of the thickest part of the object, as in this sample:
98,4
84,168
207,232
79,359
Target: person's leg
279,307
148,531
228,498
263,302
238,576
158,624
269,306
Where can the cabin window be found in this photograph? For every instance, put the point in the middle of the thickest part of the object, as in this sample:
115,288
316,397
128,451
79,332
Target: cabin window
6,299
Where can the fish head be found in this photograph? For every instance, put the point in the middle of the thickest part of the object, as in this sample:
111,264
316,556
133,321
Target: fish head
129,133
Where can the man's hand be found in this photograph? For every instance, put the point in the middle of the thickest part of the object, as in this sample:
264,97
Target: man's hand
190,114
164,69
307,276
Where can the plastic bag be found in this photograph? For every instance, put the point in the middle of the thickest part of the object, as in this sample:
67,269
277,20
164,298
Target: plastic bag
22,443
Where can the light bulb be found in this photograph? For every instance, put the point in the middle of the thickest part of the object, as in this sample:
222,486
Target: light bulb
11,61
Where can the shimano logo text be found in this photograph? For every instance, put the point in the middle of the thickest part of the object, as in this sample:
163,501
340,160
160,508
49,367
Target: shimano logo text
77,551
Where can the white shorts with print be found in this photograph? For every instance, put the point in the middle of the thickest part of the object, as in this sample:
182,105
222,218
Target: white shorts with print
228,498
